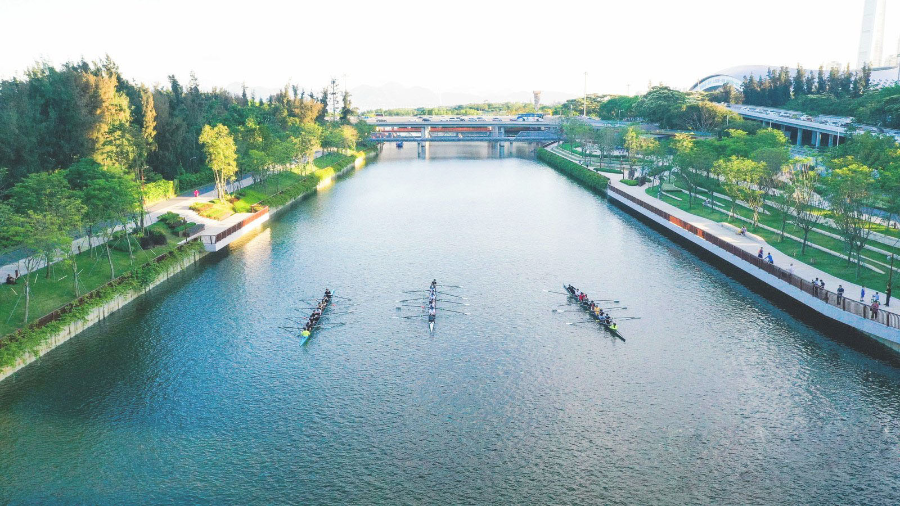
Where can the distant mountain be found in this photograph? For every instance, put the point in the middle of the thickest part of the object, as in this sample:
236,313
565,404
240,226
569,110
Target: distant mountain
395,95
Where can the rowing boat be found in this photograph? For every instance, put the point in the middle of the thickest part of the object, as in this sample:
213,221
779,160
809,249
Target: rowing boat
325,302
431,317
586,306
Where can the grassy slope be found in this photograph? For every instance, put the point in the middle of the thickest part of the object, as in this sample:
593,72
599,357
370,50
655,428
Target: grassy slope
790,248
49,294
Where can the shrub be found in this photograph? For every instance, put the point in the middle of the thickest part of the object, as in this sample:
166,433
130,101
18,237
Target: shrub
158,190
574,170
187,181
629,182
152,237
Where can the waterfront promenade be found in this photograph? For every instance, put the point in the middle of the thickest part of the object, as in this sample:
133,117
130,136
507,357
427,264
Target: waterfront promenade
750,243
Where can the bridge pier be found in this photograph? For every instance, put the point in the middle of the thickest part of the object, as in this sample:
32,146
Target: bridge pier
422,149
502,149
799,137
818,141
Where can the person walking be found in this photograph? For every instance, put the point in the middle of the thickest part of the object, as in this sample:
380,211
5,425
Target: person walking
760,254
196,193
862,295
840,293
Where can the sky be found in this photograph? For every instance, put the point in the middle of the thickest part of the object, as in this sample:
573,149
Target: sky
446,46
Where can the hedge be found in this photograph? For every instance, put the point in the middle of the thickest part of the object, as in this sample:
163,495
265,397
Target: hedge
157,191
185,182
29,339
629,182
574,170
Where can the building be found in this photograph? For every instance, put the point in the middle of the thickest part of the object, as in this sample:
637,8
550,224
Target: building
871,37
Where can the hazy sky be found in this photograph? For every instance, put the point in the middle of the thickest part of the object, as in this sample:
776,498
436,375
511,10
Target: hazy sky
449,45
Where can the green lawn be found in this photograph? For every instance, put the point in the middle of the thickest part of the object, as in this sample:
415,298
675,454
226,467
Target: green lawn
833,265
48,294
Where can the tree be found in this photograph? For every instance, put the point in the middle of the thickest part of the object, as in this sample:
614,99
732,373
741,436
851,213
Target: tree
221,156
849,193
112,200
347,109
349,137
686,168
43,233
806,213
308,140
741,180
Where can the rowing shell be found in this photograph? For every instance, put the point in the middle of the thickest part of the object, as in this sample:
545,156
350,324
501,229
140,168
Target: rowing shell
586,307
306,334
432,318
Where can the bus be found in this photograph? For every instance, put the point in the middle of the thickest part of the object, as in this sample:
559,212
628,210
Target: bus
530,116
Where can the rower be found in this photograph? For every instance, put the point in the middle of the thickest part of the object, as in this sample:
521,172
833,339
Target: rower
327,293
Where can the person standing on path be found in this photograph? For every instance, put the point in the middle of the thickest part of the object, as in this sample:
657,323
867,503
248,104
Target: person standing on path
840,293
862,295
769,258
760,254
196,193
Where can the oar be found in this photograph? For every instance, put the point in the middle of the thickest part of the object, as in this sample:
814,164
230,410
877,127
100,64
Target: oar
453,302
415,291
454,295
560,293
452,286
411,316
452,311
340,313
339,297
629,318
333,325
580,323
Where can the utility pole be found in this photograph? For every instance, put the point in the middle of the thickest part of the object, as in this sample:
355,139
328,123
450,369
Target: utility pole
585,94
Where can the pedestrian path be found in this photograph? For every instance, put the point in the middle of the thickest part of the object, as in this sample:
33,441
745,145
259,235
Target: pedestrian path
180,204
752,244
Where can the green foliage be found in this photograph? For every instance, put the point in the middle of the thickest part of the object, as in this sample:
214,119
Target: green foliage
158,191
575,171
629,182
185,181
17,345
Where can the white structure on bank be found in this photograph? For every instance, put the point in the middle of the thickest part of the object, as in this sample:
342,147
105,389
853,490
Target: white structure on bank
871,38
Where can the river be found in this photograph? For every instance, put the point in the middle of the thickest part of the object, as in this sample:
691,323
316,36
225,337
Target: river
194,394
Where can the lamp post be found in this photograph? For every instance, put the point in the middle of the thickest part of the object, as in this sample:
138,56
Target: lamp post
888,288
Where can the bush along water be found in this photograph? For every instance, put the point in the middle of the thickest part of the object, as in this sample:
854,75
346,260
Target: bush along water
29,340
578,172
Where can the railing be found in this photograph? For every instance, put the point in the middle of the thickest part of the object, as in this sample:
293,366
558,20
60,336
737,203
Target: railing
213,239
67,308
827,296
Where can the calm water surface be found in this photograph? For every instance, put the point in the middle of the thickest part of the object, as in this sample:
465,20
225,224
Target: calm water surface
195,394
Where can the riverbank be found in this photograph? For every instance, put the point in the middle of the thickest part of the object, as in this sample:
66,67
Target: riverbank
722,241
27,345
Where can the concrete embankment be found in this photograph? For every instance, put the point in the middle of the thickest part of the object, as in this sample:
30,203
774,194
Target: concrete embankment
74,326
26,354
815,306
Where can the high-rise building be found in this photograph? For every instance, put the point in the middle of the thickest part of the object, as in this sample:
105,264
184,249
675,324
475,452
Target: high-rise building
871,38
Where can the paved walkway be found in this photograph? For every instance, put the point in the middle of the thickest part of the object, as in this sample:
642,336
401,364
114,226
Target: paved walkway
750,243
180,204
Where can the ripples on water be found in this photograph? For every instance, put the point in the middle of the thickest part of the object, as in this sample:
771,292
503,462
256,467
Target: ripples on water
196,395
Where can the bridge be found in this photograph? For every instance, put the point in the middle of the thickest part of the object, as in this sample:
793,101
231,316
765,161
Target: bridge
798,127
499,131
